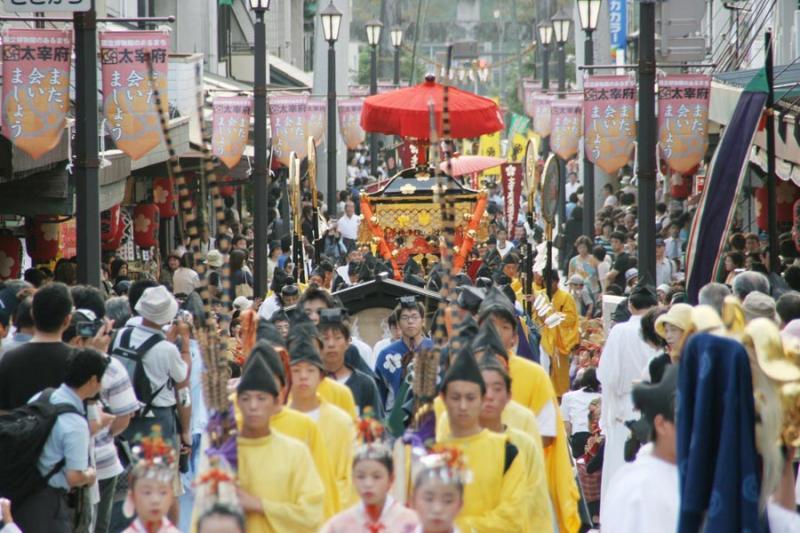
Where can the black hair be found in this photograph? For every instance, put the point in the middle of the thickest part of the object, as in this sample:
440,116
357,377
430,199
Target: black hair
492,366
620,236
88,297
237,259
35,277
792,277
648,325
315,293
52,304
82,365
788,306
384,459
23,318
599,253
589,380
136,290
116,266
65,272
226,511
341,327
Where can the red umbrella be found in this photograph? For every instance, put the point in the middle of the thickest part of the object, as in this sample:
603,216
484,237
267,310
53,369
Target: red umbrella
404,112
470,164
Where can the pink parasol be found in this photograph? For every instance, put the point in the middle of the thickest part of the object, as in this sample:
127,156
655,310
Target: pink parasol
463,165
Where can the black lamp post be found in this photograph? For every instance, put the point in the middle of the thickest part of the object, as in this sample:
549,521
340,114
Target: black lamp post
561,23
397,42
374,28
545,38
331,21
260,178
588,12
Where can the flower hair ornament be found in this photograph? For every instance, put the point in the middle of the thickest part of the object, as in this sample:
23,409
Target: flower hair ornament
154,457
370,437
446,463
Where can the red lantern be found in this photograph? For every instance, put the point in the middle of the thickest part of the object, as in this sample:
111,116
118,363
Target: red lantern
109,224
227,190
114,242
10,257
42,239
164,197
786,192
680,186
145,225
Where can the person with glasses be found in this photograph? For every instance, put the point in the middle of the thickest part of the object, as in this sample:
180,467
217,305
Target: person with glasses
394,363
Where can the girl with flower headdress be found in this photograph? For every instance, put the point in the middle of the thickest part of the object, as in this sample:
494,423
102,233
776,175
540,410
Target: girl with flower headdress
373,475
438,493
150,492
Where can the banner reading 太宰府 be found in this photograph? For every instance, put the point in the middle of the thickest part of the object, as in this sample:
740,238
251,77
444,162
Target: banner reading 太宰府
287,116
315,118
36,67
609,127
512,191
231,128
541,113
350,122
129,105
683,119
565,127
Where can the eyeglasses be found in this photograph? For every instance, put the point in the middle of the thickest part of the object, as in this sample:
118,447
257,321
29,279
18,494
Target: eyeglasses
410,318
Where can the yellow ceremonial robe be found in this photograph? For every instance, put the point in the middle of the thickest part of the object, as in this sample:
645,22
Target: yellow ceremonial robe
514,416
279,470
339,395
559,341
537,496
303,428
530,384
495,494
339,435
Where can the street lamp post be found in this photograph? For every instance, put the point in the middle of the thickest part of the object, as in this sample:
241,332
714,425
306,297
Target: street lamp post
561,23
397,42
374,28
588,12
331,21
260,178
545,38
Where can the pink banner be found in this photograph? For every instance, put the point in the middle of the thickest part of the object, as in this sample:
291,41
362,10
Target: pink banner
350,122
287,115
541,113
316,107
231,128
565,127
527,91
609,123
683,119
36,68
358,90
512,192
129,106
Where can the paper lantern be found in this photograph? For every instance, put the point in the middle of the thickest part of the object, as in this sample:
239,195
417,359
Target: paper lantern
115,241
787,193
145,225
164,197
227,191
43,238
680,186
10,257
109,224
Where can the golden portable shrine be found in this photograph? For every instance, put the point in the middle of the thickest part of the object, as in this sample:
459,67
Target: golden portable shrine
404,219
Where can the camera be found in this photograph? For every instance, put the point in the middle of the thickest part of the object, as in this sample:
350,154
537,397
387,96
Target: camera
88,329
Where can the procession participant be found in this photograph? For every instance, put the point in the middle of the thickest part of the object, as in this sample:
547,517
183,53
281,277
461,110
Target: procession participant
498,395
496,491
337,428
395,360
624,360
300,426
334,331
221,518
631,506
279,488
373,475
394,335
438,493
150,490
557,342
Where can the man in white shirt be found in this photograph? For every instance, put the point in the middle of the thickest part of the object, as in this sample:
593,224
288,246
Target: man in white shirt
572,185
665,267
348,225
503,244
624,359
631,504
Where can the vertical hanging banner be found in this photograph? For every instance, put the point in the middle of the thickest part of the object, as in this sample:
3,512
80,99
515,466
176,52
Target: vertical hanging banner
231,128
512,191
412,153
489,146
528,89
618,28
287,117
609,125
565,127
129,105
541,113
683,119
315,118
350,122
36,67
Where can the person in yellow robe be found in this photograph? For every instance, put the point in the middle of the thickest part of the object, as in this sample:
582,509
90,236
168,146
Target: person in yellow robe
299,426
495,493
337,427
558,342
278,487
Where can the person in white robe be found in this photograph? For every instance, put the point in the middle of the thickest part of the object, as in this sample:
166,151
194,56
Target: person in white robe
625,357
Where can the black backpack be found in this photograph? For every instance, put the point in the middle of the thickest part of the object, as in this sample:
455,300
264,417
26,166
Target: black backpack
133,361
23,434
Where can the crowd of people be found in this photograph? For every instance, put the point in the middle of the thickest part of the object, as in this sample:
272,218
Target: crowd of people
504,409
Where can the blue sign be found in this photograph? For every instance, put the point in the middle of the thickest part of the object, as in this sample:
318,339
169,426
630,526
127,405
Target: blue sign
618,23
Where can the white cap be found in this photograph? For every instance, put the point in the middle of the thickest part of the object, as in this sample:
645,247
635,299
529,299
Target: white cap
157,305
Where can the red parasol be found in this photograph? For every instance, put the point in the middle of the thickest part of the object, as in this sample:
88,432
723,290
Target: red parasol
404,112
470,164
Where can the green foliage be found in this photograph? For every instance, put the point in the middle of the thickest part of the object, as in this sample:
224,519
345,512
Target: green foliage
386,65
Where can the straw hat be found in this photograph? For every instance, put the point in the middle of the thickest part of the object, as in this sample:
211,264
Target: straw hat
679,315
157,305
